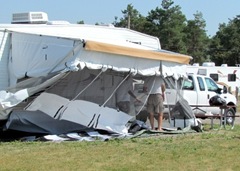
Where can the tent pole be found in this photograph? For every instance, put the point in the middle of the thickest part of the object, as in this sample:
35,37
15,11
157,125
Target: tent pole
161,74
160,68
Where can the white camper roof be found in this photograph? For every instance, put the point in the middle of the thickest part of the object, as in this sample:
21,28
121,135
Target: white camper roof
93,46
87,32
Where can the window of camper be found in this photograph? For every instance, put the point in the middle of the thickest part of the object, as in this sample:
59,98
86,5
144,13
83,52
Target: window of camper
202,72
201,84
214,77
231,77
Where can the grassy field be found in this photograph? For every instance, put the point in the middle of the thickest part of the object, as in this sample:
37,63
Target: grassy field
210,150
213,149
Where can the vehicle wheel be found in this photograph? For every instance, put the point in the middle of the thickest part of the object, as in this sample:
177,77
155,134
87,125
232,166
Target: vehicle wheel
230,120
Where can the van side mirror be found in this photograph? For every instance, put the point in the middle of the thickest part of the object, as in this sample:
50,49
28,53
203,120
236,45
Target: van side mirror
225,91
219,91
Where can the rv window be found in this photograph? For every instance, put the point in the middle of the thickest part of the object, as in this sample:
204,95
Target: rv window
201,84
202,71
214,77
232,77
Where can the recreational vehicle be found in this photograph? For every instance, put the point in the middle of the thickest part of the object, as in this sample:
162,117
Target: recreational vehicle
228,76
70,72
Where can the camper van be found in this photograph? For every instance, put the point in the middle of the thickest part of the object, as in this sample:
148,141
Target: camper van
224,75
70,72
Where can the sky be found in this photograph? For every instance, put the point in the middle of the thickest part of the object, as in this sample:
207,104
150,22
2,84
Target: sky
214,12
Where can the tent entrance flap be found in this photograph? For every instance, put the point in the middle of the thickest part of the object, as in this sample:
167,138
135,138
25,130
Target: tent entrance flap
137,52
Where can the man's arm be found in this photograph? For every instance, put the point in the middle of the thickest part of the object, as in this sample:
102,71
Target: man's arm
163,87
133,95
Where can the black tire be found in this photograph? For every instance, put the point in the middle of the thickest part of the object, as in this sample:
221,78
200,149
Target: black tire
231,113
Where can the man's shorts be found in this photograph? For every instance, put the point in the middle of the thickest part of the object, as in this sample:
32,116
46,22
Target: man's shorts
155,103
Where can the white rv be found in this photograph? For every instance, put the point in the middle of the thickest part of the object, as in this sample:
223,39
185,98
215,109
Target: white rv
224,75
73,72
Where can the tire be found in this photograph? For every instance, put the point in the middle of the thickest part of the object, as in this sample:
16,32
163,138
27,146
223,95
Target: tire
230,120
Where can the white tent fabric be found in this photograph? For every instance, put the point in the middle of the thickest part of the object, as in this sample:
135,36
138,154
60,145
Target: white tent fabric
83,112
48,103
98,117
22,91
35,56
142,66
9,99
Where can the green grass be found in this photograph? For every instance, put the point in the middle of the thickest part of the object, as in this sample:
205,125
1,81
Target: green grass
210,150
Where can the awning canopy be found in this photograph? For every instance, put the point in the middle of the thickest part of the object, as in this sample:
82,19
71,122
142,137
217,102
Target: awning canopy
138,53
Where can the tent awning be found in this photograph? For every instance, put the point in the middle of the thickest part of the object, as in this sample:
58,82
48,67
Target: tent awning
138,53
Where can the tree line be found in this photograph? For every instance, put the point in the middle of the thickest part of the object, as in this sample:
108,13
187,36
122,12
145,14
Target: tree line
178,34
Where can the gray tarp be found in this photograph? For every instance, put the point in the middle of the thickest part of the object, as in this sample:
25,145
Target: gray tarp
39,122
182,110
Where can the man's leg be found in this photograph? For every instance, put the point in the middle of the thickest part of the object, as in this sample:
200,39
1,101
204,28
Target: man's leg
151,119
160,118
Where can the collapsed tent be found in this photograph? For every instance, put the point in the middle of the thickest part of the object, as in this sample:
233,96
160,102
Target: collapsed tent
70,75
